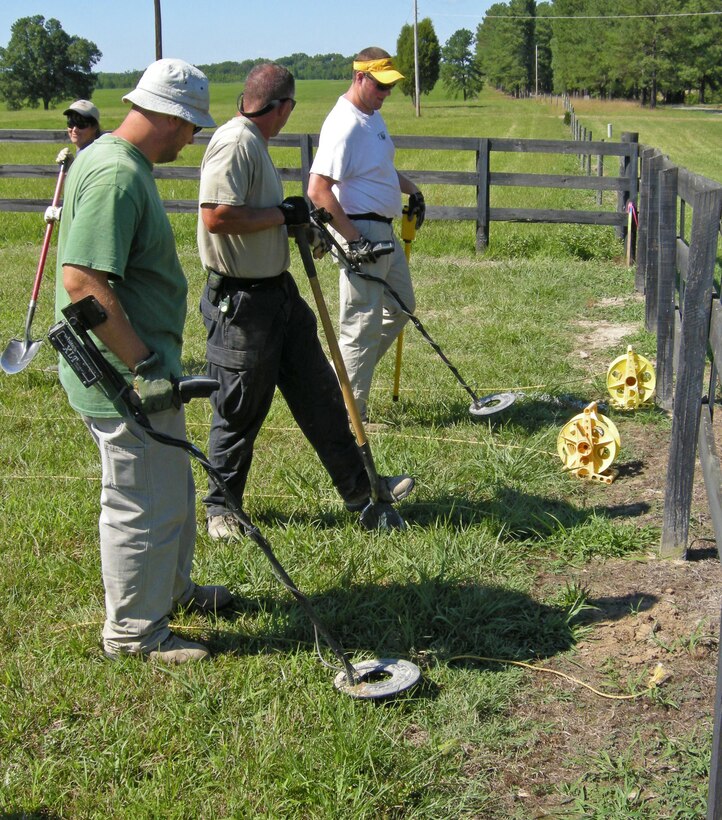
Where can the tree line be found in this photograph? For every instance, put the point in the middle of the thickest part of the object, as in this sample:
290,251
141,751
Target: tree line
644,50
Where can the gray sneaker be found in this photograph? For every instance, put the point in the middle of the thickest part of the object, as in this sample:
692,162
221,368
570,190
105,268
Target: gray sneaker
208,598
224,527
173,650
392,489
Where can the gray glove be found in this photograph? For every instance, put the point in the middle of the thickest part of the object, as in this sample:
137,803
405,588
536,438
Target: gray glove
360,250
64,155
417,208
154,386
318,241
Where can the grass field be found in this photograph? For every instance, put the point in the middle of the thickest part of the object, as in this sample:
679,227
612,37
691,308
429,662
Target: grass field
260,730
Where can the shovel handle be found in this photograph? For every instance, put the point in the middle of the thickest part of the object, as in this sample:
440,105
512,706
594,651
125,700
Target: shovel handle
49,231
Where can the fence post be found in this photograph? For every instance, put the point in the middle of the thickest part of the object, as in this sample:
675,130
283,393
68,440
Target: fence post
628,169
643,214
651,265
692,357
483,184
306,146
666,285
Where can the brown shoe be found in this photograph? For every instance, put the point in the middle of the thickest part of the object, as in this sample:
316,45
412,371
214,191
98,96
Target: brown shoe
173,650
207,598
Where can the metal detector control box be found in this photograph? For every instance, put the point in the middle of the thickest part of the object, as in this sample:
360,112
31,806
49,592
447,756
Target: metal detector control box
70,348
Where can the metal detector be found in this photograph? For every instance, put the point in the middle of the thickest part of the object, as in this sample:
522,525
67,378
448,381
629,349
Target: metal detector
480,407
368,680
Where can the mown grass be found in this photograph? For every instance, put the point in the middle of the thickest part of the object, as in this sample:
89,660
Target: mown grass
260,730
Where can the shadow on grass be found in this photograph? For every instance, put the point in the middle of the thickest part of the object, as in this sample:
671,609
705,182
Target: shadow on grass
518,515
434,616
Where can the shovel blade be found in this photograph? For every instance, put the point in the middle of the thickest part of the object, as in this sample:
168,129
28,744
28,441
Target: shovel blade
381,516
18,355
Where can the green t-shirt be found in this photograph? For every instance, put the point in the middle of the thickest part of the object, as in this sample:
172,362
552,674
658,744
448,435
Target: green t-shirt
114,221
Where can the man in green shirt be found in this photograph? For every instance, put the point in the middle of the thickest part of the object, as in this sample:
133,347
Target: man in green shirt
116,244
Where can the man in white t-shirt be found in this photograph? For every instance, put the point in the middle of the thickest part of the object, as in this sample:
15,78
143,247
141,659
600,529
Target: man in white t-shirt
353,178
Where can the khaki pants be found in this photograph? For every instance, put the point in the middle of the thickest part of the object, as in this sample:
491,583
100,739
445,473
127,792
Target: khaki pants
369,318
147,528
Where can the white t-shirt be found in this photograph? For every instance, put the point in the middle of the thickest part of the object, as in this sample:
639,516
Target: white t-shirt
356,151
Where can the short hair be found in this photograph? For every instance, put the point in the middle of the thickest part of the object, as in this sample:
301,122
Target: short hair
266,82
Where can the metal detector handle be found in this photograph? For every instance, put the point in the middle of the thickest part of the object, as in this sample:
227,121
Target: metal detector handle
195,387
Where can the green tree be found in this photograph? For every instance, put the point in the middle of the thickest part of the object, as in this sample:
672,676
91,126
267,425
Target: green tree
43,63
460,71
429,58
505,45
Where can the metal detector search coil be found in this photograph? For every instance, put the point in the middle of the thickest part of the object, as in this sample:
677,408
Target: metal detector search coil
390,677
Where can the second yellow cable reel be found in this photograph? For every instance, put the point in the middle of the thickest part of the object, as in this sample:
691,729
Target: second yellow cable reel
630,380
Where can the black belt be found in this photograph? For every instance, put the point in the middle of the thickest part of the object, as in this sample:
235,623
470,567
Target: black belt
372,217
217,282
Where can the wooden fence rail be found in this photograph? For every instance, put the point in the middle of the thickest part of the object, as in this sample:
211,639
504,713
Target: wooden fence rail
482,178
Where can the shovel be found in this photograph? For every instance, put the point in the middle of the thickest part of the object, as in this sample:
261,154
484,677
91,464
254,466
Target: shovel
20,352
377,514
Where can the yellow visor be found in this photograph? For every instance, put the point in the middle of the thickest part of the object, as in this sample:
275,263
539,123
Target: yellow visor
382,70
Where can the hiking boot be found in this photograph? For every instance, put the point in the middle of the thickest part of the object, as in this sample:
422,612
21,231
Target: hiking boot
207,598
224,527
173,650
392,489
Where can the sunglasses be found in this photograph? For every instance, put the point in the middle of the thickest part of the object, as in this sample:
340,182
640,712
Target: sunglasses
288,99
380,86
197,129
81,123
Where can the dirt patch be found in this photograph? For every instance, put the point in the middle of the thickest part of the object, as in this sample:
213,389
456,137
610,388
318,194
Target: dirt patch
603,335
645,612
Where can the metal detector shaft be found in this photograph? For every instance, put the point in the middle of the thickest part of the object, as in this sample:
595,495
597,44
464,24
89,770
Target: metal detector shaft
416,322
119,387
377,513
337,358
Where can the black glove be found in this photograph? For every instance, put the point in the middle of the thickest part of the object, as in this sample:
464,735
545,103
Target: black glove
295,211
417,208
360,250
154,386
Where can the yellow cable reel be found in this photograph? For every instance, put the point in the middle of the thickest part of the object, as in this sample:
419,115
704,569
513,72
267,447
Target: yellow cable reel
631,380
588,445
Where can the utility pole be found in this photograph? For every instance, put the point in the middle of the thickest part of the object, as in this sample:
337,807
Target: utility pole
536,70
417,95
158,32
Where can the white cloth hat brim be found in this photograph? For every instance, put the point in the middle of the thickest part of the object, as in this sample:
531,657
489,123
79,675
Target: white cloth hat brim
161,105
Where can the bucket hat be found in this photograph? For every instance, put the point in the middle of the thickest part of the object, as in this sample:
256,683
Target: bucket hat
174,87
83,107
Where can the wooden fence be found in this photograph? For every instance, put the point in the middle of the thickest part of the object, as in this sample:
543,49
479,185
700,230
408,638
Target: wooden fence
676,265
482,178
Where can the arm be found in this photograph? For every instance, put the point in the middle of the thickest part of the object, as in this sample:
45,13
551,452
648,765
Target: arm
116,333
321,194
406,185
239,219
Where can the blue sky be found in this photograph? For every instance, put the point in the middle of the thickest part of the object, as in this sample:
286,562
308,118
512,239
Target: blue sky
211,31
